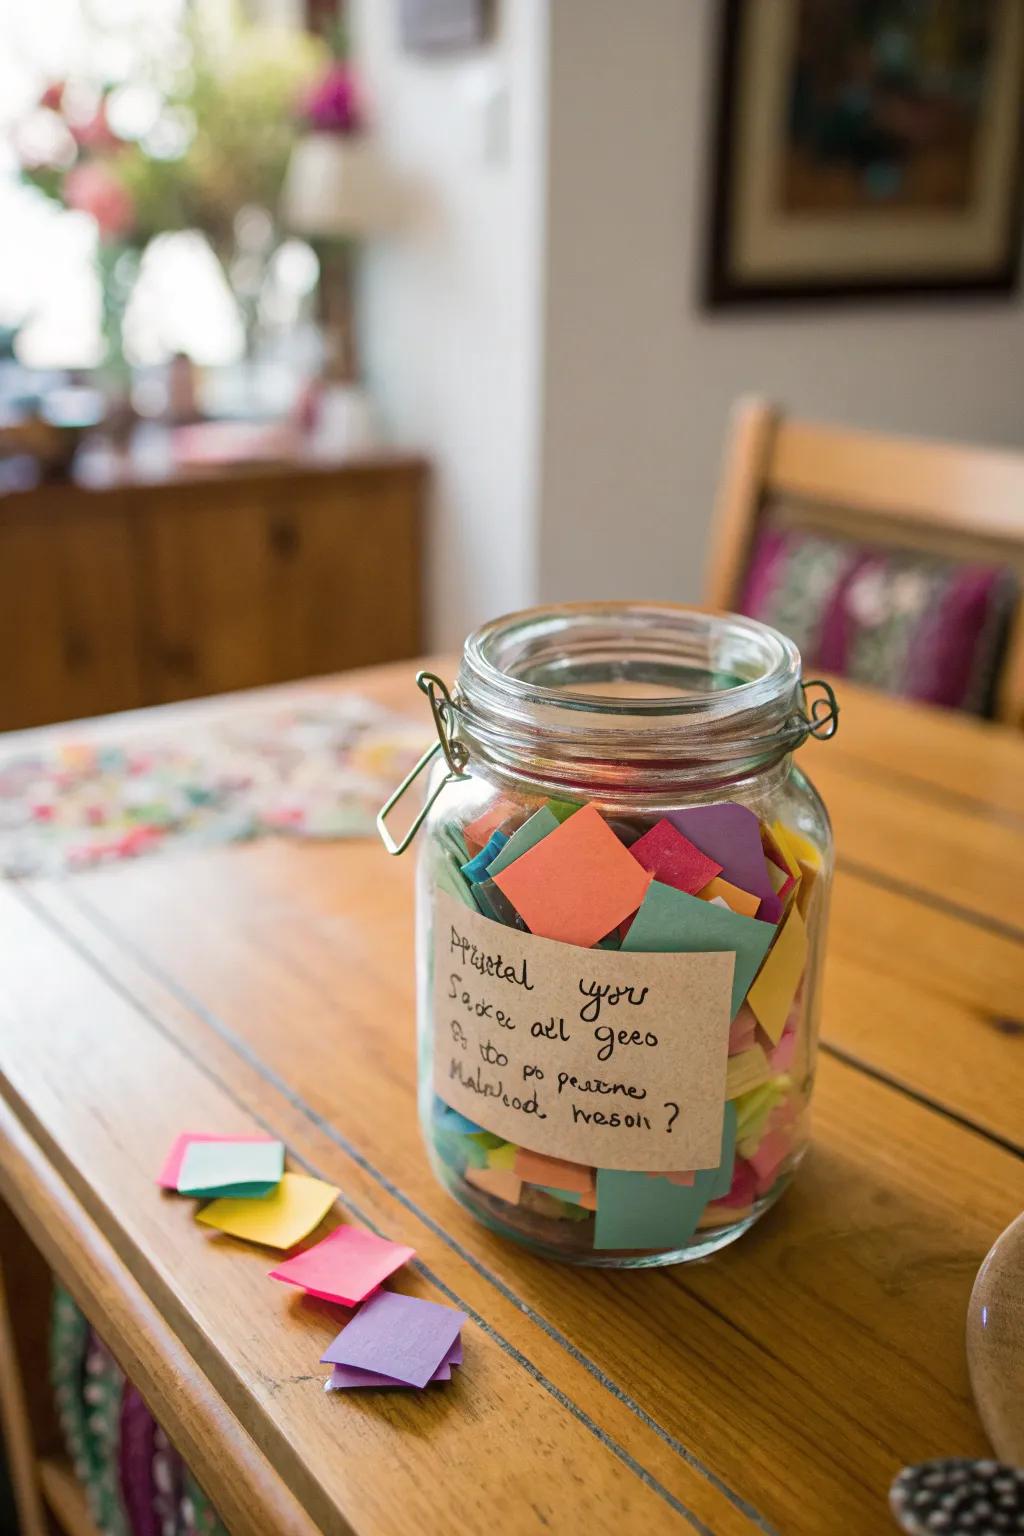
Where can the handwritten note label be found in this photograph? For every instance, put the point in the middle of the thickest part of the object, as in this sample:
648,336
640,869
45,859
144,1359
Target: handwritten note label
610,1059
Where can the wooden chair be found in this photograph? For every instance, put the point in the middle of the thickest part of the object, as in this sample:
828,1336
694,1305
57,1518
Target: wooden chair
960,502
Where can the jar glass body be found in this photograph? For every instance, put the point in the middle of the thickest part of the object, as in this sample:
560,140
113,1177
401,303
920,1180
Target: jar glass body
647,715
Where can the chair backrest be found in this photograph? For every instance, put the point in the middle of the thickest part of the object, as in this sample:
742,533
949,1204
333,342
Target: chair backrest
958,502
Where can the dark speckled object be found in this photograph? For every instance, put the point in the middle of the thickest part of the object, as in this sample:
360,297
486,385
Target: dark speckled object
959,1497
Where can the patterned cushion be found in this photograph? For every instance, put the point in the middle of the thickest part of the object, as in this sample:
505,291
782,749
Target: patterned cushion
908,623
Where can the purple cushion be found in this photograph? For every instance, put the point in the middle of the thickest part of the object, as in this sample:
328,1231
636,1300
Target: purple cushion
908,623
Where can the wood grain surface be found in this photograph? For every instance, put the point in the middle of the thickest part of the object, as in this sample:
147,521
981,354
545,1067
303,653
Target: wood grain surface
777,1387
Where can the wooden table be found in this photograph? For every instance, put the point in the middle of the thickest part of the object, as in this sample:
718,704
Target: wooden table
777,1387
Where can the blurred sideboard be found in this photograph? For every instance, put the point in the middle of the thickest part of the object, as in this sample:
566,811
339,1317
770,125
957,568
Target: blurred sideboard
136,594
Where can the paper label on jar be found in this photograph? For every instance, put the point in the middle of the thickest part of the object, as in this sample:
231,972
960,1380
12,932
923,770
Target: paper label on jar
609,1059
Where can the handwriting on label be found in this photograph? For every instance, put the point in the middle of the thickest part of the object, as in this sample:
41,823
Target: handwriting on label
610,1059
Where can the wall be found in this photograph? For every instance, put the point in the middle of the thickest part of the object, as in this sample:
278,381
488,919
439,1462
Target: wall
637,383
451,311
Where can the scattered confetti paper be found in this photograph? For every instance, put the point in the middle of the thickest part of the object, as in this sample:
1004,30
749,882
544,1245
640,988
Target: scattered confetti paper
243,1169
284,1218
578,883
317,769
345,1267
167,1178
345,1376
400,1337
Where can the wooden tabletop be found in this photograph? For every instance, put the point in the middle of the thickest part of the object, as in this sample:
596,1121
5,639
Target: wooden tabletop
777,1387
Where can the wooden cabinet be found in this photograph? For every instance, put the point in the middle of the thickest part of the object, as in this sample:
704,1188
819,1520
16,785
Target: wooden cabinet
132,595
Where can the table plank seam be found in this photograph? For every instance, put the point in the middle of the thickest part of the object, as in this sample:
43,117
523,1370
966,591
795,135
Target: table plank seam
240,1048
918,785
930,898
850,1059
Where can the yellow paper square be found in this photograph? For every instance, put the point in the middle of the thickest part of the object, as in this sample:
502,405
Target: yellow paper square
283,1219
795,848
747,1070
771,996
503,1156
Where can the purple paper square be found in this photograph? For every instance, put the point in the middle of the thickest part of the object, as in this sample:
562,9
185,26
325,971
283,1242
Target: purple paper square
397,1336
731,835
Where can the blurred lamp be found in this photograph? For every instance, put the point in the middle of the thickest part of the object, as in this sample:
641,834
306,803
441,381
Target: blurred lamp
338,192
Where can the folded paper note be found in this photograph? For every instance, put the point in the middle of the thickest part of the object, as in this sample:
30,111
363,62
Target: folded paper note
670,921
771,996
343,1377
731,835
540,825
244,1169
577,884
398,1336
284,1218
673,859
167,1178
735,899
345,1267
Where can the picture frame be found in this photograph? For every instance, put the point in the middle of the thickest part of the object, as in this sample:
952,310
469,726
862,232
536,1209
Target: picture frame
866,149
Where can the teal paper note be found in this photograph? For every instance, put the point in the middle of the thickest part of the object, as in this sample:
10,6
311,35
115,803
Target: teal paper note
449,878
451,838
635,1210
539,825
246,1169
721,1181
673,922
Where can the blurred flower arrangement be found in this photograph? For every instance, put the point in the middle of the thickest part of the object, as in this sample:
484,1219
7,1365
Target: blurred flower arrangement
203,137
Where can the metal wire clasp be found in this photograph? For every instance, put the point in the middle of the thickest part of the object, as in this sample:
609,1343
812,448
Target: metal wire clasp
821,712
455,755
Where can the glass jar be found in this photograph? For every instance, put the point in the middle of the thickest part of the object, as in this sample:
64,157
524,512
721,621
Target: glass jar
622,896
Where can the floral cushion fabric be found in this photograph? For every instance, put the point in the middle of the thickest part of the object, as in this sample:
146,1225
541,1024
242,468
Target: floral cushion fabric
901,621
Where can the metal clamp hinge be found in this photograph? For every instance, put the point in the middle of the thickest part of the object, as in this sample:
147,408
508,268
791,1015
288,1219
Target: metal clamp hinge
456,756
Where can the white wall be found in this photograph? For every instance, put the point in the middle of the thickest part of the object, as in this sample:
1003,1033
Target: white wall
638,383
538,332
450,312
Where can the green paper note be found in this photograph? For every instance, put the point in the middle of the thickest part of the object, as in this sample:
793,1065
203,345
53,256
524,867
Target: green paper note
561,810
670,921
539,825
242,1169
449,878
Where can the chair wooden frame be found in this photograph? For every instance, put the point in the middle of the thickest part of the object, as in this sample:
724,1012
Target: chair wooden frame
946,498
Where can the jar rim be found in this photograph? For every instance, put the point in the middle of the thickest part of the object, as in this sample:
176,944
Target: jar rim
587,680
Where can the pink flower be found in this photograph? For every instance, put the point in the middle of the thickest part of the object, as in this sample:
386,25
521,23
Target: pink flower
51,97
332,106
95,134
93,189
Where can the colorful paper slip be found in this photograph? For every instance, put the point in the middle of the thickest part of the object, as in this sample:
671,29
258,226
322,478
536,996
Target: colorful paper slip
500,1182
343,1377
735,899
398,1336
731,835
477,833
540,825
243,1169
346,1266
284,1218
536,1168
771,996
673,859
476,869
577,884
745,1071
672,921
638,1210
167,1178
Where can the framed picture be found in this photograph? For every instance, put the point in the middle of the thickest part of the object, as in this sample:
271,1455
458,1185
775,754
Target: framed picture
866,147
437,26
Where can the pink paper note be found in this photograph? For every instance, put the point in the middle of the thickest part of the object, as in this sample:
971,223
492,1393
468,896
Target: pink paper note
169,1173
577,883
673,859
346,1266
